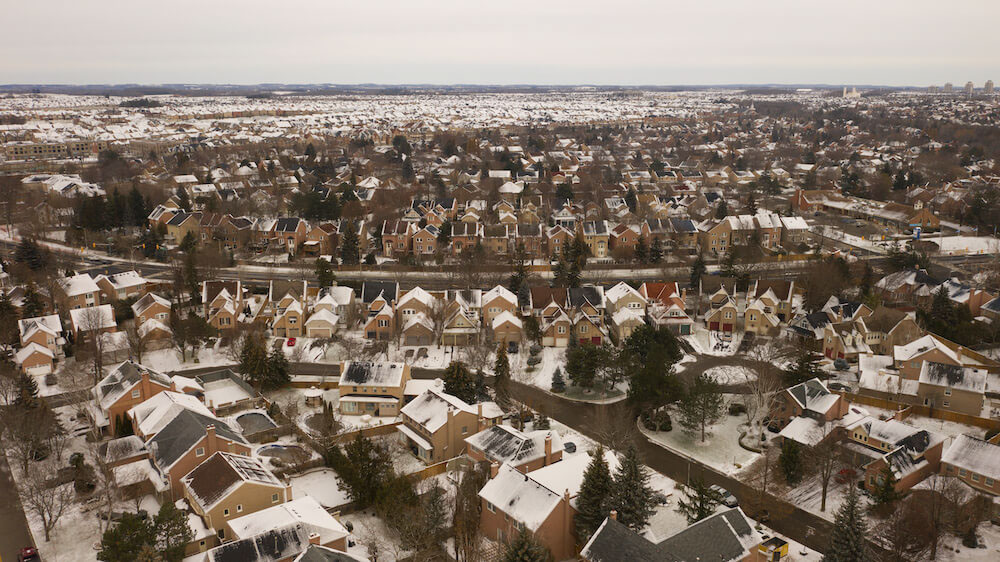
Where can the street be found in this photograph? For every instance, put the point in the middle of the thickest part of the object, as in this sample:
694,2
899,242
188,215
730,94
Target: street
14,534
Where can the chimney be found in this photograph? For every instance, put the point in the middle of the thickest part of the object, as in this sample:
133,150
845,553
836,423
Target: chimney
613,515
548,449
314,538
288,492
494,470
961,354
210,439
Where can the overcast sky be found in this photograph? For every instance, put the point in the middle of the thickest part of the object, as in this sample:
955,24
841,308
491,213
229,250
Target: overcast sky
893,42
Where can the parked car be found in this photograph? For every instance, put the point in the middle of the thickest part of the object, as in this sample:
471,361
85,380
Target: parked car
291,342
278,343
762,516
728,499
841,364
569,447
839,386
28,554
511,347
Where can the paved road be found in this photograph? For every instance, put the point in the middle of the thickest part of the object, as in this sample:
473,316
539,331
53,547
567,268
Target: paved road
14,534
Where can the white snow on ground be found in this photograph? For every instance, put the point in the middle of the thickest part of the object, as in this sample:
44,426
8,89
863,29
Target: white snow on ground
808,495
960,245
168,360
541,374
721,449
707,342
322,485
946,428
876,246
369,528
682,364
730,374
950,547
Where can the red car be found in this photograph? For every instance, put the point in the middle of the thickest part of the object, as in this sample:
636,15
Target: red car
291,342
28,554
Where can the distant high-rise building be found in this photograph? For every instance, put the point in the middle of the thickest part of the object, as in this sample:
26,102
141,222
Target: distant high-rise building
988,88
947,88
969,87
852,94
933,89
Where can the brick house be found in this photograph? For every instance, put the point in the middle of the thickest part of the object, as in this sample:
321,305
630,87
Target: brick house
126,386
525,451
435,423
78,291
371,388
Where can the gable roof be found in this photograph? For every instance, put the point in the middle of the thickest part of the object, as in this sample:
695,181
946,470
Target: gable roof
520,497
501,443
369,373
122,378
304,510
270,546
213,480
183,432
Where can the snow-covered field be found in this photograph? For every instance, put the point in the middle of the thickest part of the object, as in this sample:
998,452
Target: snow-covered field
950,548
721,449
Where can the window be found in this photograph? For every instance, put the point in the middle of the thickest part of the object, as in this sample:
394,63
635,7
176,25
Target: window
274,498
989,482
225,512
583,328
136,393
491,507
945,404
465,430
975,477
561,329
383,323
199,452
963,473
239,508
947,392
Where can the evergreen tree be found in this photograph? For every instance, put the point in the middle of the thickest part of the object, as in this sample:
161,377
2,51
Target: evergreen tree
885,491
444,235
702,406
183,199
699,501
33,304
460,382
806,367
28,252
559,274
363,467
722,211
848,540
558,383
349,250
27,391
501,371
277,369
525,548
324,273
125,540
542,422
641,251
253,361
698,269
171,532
9,332
791,461
631,494
594,496
656,250
564,191
751,204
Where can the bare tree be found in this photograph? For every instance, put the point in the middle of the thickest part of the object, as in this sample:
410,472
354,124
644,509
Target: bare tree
824,458
762,374
466,514
441,310
107,485
902,533
88,333
43,500
137,342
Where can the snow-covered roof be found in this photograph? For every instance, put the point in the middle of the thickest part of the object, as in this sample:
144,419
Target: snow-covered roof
520,497
368,373
218,476
150,416
322,315
431,408
953,376
79,284
503,317
305,510
501,443
974,455
93,318
32,348
621,290
499,292
123,280
49,324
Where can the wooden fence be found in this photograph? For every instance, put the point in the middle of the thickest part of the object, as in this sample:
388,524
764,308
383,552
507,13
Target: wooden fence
921,410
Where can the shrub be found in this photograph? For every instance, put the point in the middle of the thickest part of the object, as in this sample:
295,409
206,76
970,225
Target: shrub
534,360
737,408
657,420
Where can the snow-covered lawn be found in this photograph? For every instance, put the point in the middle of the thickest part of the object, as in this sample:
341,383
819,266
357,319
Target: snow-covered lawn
960,245
808,495
721,449
730,374
950,547
322,485
169,360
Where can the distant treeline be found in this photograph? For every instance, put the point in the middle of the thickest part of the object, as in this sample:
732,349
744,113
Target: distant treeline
140,102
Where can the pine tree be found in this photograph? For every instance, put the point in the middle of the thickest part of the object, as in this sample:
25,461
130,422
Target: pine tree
559,274
124,541
806,367
542,422
698,269
641,251
459,381
524,548
594,496
324,274
885,488
722,211
751,204
171,532
27,391
33,304
848,540
631,495
277,369
501,371
656,251
558,382
699,501
791,461
349,251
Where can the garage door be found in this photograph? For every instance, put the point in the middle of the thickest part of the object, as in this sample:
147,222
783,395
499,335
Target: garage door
714,326
596,340
727,327
548,341
562,342
40,370
320,333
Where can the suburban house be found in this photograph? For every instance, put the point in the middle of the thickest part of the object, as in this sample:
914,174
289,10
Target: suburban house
78,291
723,317
811,399
304,511
911,453
92,322
952,387
121,286
45,331
507,327
126,386
371,388
973,461
776,296
435,423
727,536
226,486
496,301
525,451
